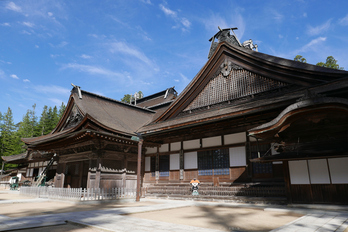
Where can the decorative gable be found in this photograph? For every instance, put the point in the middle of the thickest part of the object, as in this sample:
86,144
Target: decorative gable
74,118
231,82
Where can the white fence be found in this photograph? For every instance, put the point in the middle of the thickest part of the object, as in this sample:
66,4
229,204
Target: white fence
78,194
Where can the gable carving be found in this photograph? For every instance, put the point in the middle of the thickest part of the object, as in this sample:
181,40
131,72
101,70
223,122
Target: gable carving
232,82
74,118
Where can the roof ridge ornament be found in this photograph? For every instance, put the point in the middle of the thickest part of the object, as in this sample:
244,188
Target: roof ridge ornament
78,90
224,35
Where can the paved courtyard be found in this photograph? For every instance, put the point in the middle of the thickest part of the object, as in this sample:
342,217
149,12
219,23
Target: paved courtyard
18,212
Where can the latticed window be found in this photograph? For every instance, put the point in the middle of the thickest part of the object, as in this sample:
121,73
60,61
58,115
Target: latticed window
260,168
164,165
213,162
239,83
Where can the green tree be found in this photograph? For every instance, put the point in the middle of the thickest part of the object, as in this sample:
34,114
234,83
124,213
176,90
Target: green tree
61,110
43,123
126,98
9,140
55,118
299,58
27,127
330,63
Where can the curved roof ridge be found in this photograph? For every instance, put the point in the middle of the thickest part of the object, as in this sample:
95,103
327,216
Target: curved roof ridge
116,101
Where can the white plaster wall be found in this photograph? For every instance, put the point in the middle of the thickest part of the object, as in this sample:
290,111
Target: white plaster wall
190,160
191,144
237,156
164,148
147,164
318,171
175,146
235,138
212,141
339,170
174,160
151,150
298,172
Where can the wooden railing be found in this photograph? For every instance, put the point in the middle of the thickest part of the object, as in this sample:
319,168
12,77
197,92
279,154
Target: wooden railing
78,194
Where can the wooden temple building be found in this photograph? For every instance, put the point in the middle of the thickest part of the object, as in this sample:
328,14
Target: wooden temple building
245,117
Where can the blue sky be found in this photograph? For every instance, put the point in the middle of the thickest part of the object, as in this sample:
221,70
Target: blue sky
115,47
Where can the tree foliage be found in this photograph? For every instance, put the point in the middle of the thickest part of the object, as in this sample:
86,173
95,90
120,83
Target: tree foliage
30,126
127,98
330,63
300,58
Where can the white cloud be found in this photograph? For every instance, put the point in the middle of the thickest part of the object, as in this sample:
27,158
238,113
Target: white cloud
5,24
54,56
211,23
36,46
26,32
2,74
280,36
14,76
62,44
183,82
26,80
312,31
344,21
167,11
84,56
147,2
48,89
182,22
185,22
56,101
90,69
13,6
98,93
312,45
122,47
277,16
50,14
236,19
28,24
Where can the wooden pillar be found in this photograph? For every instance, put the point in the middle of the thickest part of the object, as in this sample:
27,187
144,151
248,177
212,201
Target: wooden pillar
287,181
98,173
157,166
182,165
80,173
124,174
140,144
2,169
89,173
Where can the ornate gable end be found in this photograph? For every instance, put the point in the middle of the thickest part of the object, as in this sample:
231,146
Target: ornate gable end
231,82
73,119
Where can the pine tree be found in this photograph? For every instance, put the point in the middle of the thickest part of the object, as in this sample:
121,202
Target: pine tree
55,118
61,110
9,139
41,128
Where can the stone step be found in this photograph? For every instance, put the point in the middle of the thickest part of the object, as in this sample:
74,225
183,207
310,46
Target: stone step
237,199
219,191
